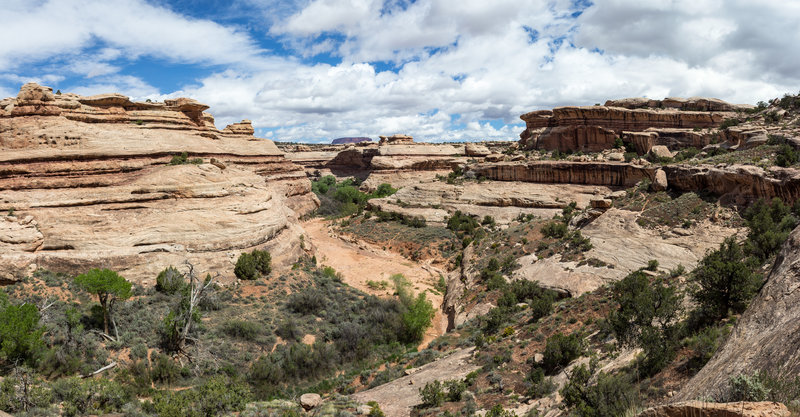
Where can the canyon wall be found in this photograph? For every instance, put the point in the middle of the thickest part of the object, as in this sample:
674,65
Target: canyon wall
100,182
672,122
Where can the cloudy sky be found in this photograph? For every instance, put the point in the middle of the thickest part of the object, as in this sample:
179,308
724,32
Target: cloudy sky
440,70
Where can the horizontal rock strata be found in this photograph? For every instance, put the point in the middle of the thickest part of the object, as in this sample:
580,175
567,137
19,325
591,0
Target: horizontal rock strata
671,122
103,191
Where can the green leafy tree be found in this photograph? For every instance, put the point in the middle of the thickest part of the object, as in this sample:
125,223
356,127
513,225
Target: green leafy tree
723,282
20,332
109,287
418,318
770,224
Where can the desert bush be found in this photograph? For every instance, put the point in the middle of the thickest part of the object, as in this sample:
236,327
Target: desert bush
560,350
242,329
89,396
307,301
170,281
555,230
252,265
540,385
747,388
786,156
611,396
432,394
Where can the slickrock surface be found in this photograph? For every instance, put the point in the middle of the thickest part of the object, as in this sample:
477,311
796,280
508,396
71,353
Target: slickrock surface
89,184
673,122
504,201
396,398
706,409
766,337
619,240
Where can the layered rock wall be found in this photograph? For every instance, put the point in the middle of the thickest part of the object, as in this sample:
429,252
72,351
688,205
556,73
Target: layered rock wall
88,185
564,172
674,122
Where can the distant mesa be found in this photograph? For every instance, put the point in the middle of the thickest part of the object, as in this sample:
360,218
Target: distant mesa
344,141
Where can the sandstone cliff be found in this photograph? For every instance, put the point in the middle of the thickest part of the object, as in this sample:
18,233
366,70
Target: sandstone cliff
673,122
586,173
766,337
88,182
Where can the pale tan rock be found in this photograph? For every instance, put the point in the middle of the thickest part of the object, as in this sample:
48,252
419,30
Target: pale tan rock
398,139
106,100
102,193
186,104
473,149
661,151
709,409
245,127
34,93
310,401
660,180
495,157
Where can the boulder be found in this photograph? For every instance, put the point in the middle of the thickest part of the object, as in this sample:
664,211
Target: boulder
659,180
473,149
310,400
707,409
616,157
495,157
600,203
660,151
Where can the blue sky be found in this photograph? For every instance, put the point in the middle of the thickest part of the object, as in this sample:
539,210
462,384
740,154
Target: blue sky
314,70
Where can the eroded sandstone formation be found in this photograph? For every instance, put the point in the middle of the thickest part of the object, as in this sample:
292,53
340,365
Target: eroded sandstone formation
94,182
765,338
672,122
566,172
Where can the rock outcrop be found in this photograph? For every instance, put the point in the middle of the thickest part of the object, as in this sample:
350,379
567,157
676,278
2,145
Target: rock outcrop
740,183
766,337
565,172
99,182
706,409
396,140
671,122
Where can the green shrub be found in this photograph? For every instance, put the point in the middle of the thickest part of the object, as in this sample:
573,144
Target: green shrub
242,329
89,396
560,350
652,265
252,265
786,156
555,230
384,190
704,345
170,281
728,123
263,261
747,388
432,394
540,385
611,396
307,301
498,411
455,389
20,332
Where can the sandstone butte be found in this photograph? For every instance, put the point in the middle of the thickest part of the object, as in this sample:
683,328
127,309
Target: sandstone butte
673,122
87,182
